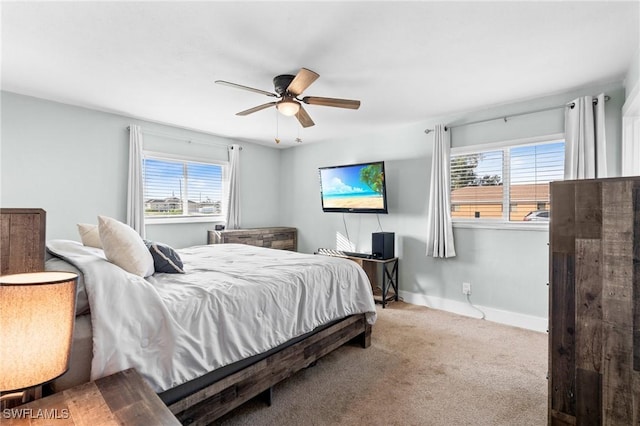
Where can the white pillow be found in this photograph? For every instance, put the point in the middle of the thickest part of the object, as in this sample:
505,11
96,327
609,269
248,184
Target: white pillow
89,235
124,247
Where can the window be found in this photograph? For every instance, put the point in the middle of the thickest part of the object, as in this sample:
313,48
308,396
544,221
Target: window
476,185
179,189
507,183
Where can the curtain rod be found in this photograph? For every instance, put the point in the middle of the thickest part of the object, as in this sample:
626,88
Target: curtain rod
184,139
505,117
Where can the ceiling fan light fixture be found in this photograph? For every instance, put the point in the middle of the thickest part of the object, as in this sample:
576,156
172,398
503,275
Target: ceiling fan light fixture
288,107
288,88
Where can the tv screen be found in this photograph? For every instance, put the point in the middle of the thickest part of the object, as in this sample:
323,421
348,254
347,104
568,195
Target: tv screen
354,188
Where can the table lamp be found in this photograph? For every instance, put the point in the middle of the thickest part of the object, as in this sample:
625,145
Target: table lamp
37,312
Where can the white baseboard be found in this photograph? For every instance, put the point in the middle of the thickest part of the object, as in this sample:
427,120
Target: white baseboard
491,314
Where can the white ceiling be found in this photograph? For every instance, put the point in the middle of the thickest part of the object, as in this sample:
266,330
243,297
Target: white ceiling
406,61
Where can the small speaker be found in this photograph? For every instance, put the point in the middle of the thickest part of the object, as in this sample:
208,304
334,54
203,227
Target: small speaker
382,245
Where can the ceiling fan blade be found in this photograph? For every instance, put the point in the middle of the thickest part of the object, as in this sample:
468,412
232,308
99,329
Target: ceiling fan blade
332,102
301,81
303,118
256,109
240,86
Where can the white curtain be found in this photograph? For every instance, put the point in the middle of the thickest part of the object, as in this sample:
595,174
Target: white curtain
135,196
233,201
585,141
439,226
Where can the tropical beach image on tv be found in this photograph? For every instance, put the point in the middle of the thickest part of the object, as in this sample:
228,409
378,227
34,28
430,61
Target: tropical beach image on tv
356,188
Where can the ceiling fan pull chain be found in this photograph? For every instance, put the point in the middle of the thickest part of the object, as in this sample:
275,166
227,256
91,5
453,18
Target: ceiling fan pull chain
277,128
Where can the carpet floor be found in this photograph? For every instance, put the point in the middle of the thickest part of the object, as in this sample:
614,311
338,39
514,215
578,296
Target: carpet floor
424,367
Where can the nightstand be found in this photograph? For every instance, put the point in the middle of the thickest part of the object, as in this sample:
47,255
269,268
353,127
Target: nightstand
384,272
123,398
379,271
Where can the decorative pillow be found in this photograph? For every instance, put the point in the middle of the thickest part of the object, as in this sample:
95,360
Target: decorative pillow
165,259
124,247
89,235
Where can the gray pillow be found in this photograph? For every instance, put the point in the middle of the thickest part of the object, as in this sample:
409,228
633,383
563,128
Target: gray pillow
165,259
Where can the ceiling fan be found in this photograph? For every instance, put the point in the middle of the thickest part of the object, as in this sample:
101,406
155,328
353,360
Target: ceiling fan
288,88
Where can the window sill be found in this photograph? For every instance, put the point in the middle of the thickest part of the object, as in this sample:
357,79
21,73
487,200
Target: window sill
183,219
519,226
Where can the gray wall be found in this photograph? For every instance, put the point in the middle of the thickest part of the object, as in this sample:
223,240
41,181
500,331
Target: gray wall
73,163
633,74
507,268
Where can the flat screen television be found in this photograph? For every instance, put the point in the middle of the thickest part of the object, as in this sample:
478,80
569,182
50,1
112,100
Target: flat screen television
354,188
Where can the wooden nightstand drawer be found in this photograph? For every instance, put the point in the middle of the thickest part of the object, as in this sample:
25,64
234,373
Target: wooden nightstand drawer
282,238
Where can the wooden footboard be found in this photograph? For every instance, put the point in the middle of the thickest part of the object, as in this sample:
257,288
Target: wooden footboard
210,403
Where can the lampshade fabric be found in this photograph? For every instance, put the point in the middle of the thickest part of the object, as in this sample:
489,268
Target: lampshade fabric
37,312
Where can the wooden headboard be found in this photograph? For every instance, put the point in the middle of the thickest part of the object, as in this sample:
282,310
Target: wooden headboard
22,240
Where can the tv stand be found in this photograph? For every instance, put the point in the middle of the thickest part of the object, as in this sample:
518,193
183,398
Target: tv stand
342,253
383,271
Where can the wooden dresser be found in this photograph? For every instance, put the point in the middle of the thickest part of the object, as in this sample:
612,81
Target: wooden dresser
22,245
594,300
283,238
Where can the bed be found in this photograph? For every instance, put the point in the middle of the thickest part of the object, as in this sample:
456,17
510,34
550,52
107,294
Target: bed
238,320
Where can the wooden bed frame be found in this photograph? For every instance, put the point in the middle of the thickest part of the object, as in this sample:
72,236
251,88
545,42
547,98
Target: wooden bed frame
217,399
23,238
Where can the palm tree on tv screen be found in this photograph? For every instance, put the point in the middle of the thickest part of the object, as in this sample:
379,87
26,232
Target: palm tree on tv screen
373,177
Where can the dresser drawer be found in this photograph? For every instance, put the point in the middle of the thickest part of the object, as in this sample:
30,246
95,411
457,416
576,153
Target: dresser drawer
282,238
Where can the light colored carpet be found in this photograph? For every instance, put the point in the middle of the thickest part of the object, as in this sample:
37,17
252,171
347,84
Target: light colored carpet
424,367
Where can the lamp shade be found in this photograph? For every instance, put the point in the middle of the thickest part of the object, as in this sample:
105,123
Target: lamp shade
288,107
37,312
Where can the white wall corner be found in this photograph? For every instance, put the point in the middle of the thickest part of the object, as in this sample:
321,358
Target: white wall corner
515,319
630,150
631,106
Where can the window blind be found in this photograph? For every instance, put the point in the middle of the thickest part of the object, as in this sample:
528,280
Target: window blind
178,188
507,183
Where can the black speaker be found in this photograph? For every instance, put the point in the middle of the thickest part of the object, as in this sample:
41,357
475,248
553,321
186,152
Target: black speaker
382,245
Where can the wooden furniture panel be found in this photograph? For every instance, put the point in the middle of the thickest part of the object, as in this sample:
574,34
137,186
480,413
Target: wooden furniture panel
123,398
594,302
22,240
283,238
217,399
561,335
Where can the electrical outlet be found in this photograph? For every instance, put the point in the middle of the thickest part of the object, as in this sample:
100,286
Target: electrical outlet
466,288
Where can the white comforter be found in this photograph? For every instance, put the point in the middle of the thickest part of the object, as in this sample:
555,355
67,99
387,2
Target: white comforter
234,301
